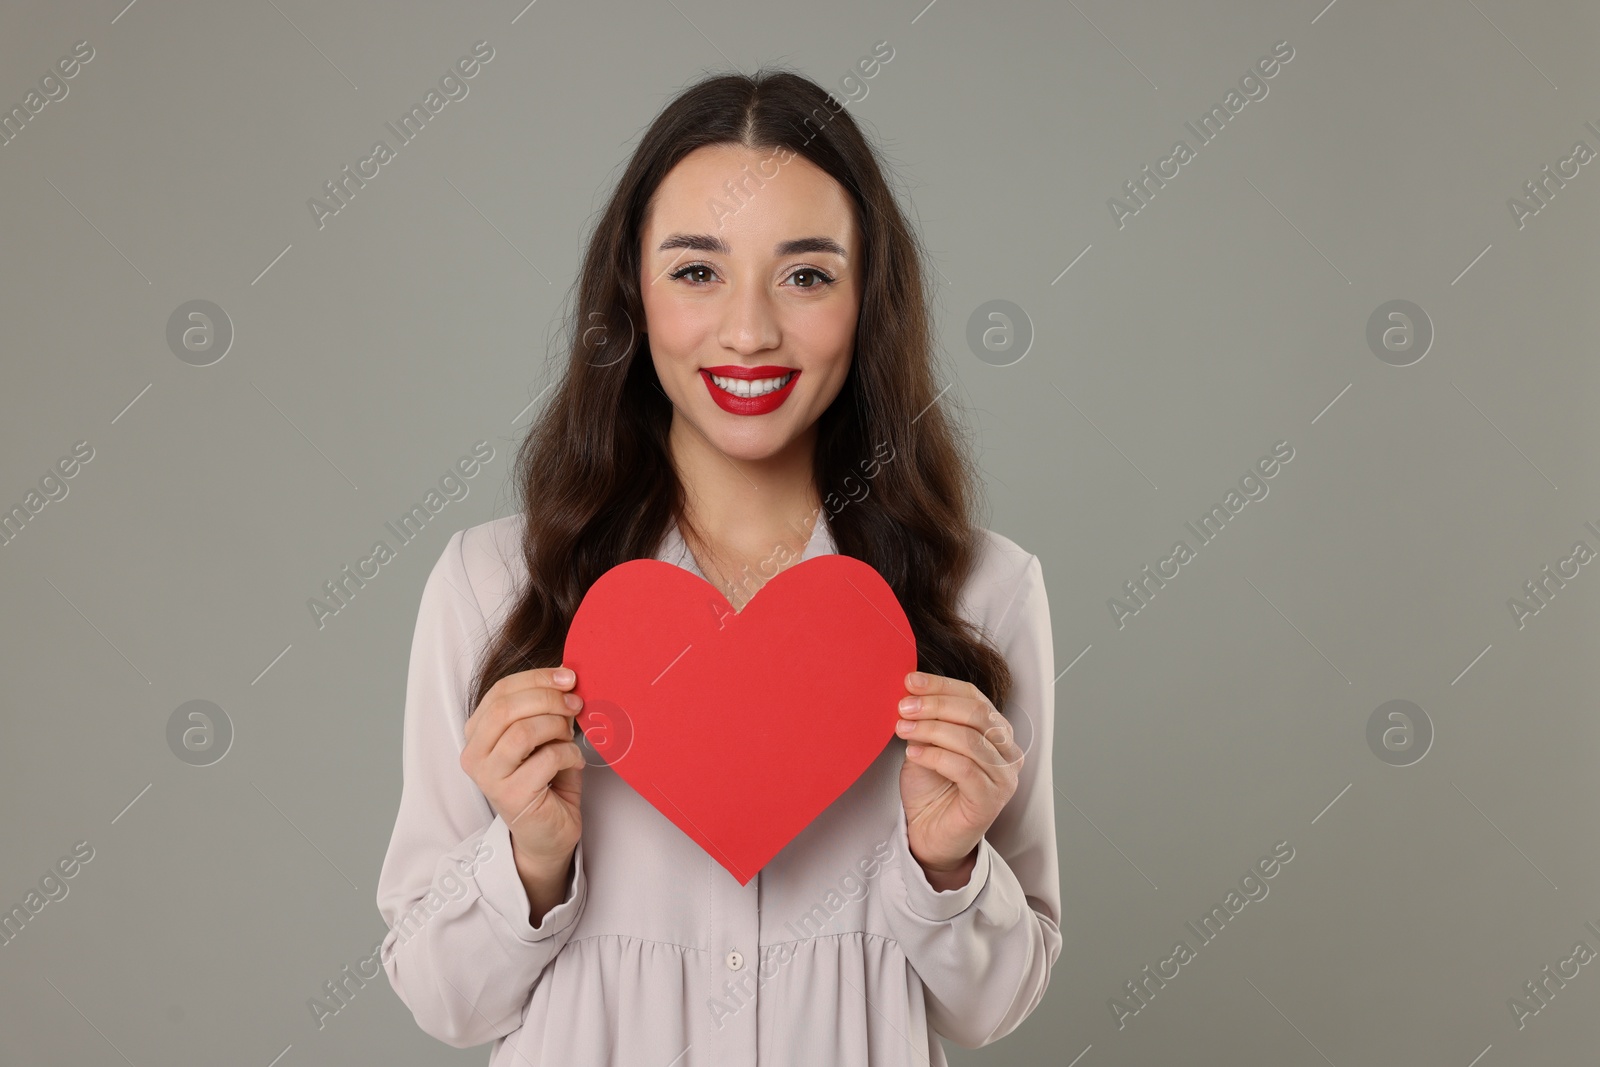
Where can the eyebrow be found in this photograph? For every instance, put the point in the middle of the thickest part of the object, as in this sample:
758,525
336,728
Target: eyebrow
705,242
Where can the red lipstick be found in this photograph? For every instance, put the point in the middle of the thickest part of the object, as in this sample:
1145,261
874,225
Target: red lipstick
749,405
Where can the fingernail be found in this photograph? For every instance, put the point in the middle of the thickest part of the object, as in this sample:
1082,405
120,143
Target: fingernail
563,676
905,726
574,701
916,678
910,703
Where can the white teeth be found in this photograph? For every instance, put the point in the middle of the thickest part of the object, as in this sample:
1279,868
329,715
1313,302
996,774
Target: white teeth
748,388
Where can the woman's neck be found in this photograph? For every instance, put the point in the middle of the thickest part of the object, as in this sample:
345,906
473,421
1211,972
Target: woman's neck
746,509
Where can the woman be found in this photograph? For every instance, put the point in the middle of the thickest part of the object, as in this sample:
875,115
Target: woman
776,402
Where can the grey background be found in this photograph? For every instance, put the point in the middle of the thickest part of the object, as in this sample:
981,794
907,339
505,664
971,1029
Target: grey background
1230,313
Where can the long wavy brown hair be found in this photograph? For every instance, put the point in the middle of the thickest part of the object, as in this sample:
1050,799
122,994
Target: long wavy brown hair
594,474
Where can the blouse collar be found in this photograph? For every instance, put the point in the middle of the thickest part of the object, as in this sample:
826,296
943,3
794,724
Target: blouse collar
676,551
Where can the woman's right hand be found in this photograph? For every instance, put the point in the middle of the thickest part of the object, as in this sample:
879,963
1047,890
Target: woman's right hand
520,751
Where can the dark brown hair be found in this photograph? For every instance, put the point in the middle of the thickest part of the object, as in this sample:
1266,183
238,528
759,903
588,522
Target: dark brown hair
594,473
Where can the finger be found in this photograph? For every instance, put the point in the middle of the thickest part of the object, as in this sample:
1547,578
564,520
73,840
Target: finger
498,715
522,739
932,684
1000,734
541,769
960,768
957,708
562,678
957,740
975,711
980,716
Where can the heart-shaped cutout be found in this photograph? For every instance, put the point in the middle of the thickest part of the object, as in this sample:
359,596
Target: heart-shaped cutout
740,727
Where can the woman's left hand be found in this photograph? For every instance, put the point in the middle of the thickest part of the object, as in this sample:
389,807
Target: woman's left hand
961,768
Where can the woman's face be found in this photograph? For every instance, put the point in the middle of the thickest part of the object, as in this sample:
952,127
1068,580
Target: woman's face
749,265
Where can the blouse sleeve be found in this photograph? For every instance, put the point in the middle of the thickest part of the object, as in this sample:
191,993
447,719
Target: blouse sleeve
460,952
984,951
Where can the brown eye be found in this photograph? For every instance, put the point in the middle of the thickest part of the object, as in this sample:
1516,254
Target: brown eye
819,279
692,268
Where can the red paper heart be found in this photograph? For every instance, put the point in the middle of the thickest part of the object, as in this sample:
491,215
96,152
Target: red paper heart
740,727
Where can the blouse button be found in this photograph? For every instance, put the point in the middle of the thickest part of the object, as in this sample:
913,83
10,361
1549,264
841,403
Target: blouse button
735,960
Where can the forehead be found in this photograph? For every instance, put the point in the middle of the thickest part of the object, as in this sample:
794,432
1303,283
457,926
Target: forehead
750,198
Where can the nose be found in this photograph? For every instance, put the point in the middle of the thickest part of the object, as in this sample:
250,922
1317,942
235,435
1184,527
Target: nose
749,322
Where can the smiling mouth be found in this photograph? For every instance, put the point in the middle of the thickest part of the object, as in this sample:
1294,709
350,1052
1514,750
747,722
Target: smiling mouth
750,388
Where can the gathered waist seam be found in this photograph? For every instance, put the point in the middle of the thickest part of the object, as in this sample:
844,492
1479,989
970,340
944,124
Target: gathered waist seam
769,944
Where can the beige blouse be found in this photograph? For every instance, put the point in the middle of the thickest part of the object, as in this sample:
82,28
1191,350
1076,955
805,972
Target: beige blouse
838,952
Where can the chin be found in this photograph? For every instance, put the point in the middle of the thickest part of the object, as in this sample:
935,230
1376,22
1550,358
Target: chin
751,448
